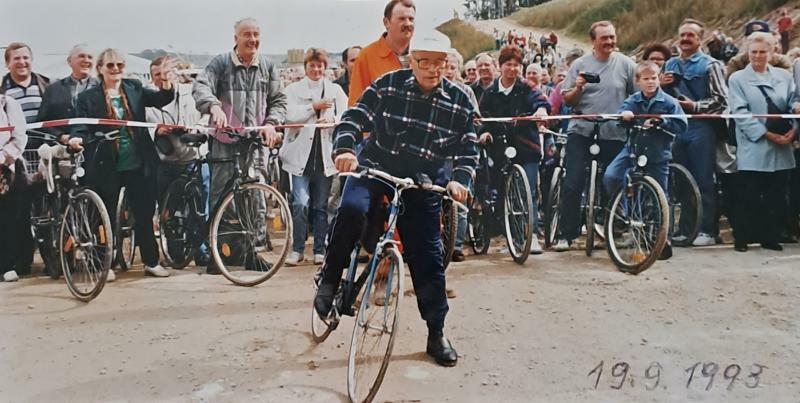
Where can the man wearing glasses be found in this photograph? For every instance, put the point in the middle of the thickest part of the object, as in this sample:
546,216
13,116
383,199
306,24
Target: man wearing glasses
417,121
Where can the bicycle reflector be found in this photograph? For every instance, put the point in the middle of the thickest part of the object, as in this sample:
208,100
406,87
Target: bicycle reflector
594,149
511,152
641,161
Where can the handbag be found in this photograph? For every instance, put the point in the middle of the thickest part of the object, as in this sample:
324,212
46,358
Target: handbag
778,126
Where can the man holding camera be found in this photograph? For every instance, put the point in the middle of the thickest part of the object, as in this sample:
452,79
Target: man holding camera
698,81
596,83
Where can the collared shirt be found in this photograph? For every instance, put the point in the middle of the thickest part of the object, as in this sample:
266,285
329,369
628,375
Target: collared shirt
77,86
373,61
505,90
411,131
250,95
716,101
29,98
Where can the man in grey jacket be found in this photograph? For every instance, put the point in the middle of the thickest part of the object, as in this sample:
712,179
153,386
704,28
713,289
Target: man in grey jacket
239,88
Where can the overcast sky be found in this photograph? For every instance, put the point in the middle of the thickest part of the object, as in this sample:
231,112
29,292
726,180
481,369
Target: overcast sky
200,26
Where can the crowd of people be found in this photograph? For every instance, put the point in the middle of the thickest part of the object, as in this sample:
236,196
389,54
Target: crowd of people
407,103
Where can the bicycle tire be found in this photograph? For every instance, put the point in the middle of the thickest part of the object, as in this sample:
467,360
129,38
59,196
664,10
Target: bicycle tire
177,242
393,296
449,223
477,229
518,217
552,210
124,234
256,246
76,243
683,191
639,261
590,208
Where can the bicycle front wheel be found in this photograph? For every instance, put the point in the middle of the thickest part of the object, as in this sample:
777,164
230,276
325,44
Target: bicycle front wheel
552,212
180,223
449,223
251,234
636,227
518,214
377,324
685,205
124,235
86,246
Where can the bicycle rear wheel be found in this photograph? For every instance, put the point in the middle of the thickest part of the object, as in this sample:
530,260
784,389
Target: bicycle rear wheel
590,208
376,327
449,223
251,234
124,235
636,227
86,245
518,214
180,224
685,205
552,212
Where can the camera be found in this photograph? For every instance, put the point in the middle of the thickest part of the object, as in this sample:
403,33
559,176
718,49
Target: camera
591,78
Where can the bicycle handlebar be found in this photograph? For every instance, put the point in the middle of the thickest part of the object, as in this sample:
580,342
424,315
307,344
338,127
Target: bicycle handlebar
403,183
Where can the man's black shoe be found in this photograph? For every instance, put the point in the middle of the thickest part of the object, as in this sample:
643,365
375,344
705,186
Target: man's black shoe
441,350
771,246
458,256
666,253
323,301
202,259
212,268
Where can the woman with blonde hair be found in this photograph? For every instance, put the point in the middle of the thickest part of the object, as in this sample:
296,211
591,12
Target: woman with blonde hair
131,160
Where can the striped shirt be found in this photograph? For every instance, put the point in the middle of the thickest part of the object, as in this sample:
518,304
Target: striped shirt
29,98
411,132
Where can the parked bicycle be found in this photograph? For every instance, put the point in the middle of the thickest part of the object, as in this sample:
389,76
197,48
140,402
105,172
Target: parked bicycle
505,207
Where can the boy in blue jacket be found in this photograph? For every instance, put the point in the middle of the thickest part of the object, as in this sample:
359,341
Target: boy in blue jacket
655,144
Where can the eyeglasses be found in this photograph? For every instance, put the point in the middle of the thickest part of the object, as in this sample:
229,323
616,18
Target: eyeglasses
119,65
438,64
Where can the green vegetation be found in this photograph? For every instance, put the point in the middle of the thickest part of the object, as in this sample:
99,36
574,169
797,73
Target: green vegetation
642,21
466,39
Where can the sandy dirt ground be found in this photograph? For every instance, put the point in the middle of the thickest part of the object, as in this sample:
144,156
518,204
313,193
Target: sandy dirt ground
531,333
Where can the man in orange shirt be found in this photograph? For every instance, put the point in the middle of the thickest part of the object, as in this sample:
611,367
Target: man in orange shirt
389,52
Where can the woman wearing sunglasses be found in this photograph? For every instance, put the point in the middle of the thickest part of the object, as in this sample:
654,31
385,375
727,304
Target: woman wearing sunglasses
131,160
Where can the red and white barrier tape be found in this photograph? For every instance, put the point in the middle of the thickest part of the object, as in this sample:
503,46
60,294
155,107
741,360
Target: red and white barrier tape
128,123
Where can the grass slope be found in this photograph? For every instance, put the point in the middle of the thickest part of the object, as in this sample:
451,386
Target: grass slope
465,38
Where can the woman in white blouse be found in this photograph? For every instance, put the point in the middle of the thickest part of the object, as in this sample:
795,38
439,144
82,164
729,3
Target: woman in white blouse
306,152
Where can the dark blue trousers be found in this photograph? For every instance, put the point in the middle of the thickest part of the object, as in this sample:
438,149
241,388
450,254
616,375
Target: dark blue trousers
418,225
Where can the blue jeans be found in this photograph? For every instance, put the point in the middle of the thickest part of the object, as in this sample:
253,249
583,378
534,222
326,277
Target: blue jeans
313,192
696,151
614,177
418,225
576,161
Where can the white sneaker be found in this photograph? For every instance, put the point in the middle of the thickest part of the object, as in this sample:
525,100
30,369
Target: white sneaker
111,276
561,246
294,259
704,239
536,247
680,238
10,276
157,271
319,259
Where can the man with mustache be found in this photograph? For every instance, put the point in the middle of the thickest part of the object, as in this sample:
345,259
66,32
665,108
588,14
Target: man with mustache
616,73
239,88
698,81
389,52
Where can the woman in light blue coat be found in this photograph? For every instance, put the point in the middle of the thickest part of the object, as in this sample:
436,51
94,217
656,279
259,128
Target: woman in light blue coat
764,152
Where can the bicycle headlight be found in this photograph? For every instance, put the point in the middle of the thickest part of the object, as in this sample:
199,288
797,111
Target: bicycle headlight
641,161
510,152
80,172
594,149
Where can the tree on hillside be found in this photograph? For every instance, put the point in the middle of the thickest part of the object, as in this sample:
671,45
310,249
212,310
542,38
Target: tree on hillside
492,9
